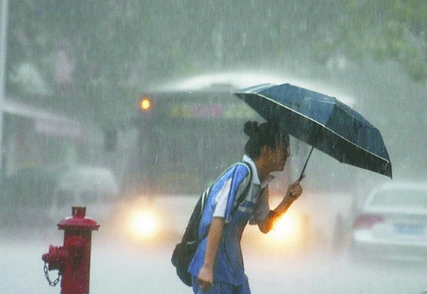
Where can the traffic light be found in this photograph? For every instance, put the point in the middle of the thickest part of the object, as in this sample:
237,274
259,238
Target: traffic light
145,104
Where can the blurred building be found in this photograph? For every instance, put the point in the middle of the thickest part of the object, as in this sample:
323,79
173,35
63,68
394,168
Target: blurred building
37,137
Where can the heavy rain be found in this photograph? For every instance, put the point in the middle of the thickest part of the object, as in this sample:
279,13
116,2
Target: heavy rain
126,108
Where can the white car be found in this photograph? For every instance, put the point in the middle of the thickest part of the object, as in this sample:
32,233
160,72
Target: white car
95,188
392,224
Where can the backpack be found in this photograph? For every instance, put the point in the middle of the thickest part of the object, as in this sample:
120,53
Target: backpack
184,251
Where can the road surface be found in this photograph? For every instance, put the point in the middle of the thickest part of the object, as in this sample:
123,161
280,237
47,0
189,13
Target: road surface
118,267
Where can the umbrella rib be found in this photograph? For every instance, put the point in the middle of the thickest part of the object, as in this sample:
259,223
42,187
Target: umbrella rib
318,123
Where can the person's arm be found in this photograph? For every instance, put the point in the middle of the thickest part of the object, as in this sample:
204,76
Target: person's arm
206,276
292,194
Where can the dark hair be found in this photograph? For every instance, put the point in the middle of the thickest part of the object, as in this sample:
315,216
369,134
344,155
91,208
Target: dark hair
268,133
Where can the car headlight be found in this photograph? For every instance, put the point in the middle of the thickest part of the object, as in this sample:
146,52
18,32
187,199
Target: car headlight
286,227
144,224
288,233
286,230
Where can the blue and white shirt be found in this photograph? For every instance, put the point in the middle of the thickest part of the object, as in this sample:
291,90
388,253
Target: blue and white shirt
229,261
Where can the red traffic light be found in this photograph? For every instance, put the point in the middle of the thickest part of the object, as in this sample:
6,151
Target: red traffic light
145,104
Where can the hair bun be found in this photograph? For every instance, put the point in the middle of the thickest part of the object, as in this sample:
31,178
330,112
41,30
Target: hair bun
251,128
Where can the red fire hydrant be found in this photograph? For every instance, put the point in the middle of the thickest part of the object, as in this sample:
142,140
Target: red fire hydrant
73,259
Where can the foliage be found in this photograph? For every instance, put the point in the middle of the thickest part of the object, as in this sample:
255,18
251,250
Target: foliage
115,49
385,30
97,56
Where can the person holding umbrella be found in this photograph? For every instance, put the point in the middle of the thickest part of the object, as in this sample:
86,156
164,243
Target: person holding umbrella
217,266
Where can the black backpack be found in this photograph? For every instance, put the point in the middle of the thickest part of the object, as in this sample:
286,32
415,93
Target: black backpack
184,251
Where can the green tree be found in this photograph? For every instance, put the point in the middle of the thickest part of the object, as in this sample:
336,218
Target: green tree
385,30
113,47
118,48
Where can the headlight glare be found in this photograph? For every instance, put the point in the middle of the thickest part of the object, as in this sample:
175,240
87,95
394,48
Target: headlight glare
144,224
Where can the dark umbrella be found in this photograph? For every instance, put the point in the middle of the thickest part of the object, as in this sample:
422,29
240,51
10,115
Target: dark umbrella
322,122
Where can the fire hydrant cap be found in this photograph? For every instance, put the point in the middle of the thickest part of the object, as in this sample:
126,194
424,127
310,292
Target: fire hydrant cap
78,220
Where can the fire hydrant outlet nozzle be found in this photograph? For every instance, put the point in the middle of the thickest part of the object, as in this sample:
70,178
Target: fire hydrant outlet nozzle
55,257
72,260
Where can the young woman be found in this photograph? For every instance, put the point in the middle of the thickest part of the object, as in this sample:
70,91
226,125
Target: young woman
217,266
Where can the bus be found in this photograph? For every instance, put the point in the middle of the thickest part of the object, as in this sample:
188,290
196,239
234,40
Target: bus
184,135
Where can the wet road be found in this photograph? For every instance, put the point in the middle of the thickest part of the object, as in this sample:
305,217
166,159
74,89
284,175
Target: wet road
121,268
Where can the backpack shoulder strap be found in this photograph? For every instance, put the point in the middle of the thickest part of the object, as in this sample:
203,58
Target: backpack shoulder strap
245,192
191,231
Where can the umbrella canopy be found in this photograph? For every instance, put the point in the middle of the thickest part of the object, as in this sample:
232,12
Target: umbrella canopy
322,122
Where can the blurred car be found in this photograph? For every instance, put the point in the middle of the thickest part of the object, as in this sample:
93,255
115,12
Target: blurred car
391,224
96,188
153,220
150,220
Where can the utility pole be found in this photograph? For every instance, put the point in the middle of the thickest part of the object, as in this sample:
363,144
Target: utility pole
3,49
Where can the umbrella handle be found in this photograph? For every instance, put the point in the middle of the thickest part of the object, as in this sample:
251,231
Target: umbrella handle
305,165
